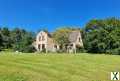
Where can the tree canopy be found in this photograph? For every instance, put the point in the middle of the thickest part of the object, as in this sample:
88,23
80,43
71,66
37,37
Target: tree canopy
16,39
102,36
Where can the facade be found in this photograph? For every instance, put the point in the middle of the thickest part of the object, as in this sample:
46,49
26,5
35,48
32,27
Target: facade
45,42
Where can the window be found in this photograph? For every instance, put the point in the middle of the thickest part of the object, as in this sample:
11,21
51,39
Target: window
39,46
43,46
43,38
55,46
39,38
71,44
79,39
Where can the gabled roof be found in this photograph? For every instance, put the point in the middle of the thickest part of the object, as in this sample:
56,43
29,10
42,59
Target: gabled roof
73,36
49,34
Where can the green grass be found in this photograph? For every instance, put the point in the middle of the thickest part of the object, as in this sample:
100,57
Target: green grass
57,67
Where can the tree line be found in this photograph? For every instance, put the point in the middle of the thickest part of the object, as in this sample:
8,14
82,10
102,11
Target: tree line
98,35
16,40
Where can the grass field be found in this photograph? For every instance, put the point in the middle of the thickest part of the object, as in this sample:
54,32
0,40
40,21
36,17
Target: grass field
57,67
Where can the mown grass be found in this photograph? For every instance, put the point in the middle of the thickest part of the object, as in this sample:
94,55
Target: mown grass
57,67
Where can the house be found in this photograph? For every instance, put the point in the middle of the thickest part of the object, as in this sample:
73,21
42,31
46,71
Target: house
75,40
45,42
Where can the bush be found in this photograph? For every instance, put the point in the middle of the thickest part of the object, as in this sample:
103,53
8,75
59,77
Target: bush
116,51
28,49
81,50
113,51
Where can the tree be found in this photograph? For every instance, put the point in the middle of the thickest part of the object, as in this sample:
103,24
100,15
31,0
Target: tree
5,32
1,42
102,36
61,36
16,36
22,40
26,42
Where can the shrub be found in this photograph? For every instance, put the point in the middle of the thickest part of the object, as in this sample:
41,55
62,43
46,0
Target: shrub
28,49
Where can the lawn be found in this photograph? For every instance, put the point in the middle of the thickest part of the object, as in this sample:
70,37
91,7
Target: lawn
57,67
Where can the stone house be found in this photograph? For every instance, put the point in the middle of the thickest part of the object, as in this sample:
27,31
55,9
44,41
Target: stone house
45,42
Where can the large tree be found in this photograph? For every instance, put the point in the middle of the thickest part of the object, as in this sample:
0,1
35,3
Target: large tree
22,40
1,42
5,32
103,36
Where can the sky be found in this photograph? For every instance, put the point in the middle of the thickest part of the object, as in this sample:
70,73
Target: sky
34,15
